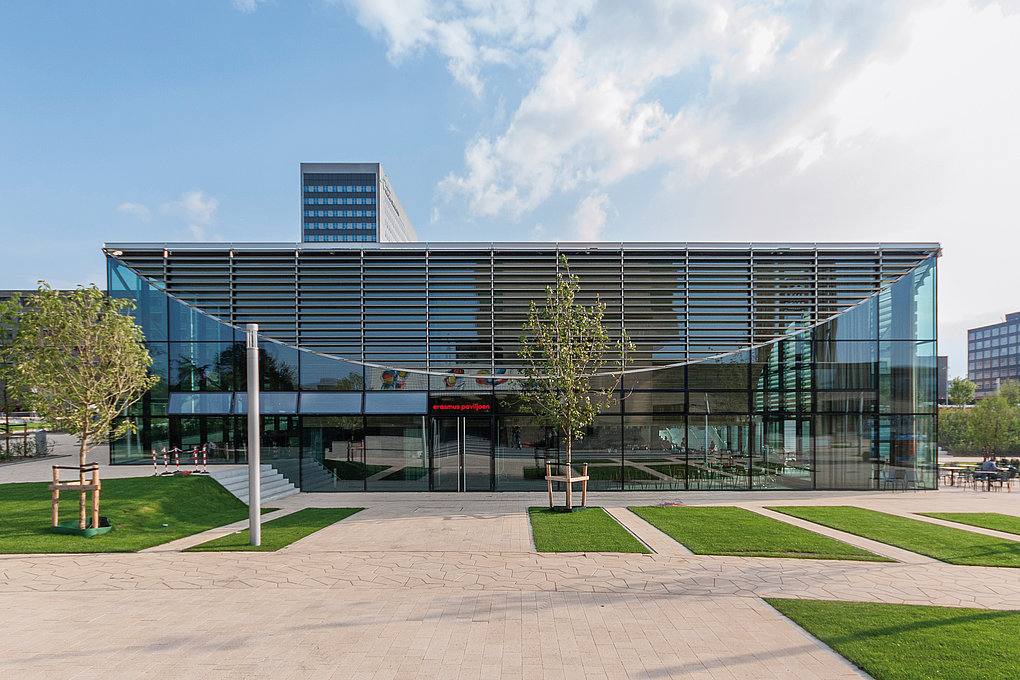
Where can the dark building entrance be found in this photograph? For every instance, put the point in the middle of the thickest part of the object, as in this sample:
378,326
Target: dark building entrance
461,449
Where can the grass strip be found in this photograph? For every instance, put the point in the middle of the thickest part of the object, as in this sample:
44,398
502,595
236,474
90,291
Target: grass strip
735,531
955,546
281,532
591,530
897,641
144,511
985,520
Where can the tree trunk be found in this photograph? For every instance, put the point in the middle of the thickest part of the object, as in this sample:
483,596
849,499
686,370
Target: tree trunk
570,438
81,478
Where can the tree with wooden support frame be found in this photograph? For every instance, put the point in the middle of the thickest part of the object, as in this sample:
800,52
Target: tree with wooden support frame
96,525
565,345
82,361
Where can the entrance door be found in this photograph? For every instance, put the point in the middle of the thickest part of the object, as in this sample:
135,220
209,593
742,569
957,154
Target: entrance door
461,454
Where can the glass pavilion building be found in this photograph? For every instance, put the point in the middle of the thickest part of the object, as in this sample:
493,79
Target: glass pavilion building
394,367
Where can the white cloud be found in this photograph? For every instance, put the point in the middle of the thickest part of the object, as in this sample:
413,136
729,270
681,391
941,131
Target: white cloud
247,6
136,210
468,33
595,112
194,206
589,217
751,120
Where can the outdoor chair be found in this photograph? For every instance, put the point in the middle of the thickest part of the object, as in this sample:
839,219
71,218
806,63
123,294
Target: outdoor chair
896,477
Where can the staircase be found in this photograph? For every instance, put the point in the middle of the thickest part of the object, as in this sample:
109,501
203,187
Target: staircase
312,475
273,484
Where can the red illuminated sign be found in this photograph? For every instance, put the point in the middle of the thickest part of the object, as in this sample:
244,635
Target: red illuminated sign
461,407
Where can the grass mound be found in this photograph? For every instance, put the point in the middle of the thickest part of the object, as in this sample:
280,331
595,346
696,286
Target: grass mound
955,546
591,530
985,520
735,531
138,508
897,642
279,533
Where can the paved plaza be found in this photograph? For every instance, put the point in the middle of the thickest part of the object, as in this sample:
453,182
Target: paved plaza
449,586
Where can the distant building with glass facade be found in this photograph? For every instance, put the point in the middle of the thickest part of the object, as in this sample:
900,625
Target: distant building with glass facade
351,203
395,367
993,355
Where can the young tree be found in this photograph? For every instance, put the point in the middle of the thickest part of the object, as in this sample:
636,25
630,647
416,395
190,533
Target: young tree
564,345
82,361
961,391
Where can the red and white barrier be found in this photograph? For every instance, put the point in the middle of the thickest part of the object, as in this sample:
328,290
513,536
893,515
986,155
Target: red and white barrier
165,459
177,460
205,459
194,458
155,468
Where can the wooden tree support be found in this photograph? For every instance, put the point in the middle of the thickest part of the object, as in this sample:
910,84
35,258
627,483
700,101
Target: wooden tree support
80,486
568,478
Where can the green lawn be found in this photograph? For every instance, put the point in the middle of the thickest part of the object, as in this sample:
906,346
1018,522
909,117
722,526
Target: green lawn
901,642
279,533
735,531
591,530
985,520
138,508
955,546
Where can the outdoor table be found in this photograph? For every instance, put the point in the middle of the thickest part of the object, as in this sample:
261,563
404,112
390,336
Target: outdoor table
952,470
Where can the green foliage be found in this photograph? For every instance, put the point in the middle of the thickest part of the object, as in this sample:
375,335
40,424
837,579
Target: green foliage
955,546
961,391
138,508
993,425
281,532
12,398
564,345
82,360
735,531
591,530
954,430
901,642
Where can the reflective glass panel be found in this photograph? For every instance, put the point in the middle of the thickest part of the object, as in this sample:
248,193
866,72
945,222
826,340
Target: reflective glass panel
325,373
654,452
333,456
395,446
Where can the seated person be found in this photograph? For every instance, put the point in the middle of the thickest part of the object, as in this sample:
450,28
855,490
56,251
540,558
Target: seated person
990,466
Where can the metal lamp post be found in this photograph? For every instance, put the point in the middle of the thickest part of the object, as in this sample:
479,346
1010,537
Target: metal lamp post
254,437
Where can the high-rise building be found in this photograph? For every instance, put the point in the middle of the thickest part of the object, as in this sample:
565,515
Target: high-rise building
351,203
993,354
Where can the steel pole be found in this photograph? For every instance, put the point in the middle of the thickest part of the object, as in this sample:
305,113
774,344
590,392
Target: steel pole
254,437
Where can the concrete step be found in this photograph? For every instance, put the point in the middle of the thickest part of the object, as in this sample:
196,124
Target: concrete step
272,484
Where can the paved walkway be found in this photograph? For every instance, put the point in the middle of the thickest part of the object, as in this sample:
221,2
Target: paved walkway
448,586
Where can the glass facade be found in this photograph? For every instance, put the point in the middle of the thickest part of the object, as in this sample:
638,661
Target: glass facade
396,368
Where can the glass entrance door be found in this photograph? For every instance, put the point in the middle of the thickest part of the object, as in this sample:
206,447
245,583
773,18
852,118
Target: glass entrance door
461,454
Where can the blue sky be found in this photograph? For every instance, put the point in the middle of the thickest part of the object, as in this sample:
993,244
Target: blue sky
575,120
